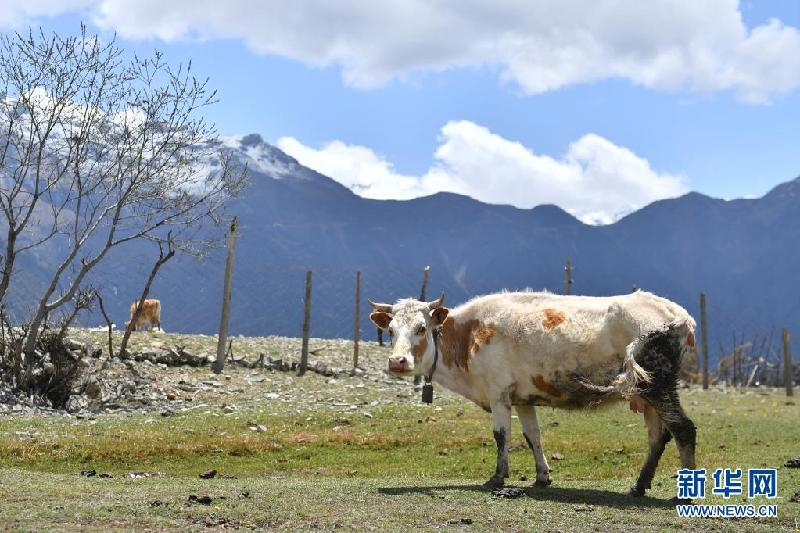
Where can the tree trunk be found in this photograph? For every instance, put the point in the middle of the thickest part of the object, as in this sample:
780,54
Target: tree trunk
8,264
123,346
108,323
44,308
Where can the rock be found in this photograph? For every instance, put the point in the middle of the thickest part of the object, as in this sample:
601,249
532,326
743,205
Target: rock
76,404
793,463
208,474
92,388
202,500
796,497
73,345
88,473
557,457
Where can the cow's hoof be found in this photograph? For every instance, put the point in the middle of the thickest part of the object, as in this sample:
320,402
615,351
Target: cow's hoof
494,482
544,481
637,491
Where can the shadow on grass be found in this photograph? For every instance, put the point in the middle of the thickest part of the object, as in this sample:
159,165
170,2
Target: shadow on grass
602,498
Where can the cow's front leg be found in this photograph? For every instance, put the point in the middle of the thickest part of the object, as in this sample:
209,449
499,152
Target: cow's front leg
533,435
501,427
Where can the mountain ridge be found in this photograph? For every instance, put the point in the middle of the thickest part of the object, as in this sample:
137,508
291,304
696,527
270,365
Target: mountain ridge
293,218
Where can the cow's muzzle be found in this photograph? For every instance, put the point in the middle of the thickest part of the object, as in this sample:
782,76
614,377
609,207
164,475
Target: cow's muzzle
400,364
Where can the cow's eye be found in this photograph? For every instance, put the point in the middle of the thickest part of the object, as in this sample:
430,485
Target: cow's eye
421,330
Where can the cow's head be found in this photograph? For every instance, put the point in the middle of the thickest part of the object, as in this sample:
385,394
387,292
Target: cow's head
410,324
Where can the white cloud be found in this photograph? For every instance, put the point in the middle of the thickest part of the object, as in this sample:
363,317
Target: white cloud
16,13
536,45
595,179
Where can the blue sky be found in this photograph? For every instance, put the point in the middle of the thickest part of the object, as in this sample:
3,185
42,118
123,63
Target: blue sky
403,110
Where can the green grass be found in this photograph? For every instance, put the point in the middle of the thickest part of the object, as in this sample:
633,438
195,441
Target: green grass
397,466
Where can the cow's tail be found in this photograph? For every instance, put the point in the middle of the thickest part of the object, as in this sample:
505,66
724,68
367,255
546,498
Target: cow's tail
667,341
633,377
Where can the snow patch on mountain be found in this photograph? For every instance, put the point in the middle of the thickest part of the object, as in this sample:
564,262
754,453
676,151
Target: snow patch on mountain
260,156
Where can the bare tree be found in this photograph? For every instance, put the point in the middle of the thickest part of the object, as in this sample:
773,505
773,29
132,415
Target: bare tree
82,301
39,80
162,259
99,150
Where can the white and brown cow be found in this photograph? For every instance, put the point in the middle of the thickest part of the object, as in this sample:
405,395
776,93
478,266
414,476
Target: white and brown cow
151,314
525,349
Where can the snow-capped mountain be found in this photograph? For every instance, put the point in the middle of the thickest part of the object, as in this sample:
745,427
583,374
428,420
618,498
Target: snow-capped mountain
742,253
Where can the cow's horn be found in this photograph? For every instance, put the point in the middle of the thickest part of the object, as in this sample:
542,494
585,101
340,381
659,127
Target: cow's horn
386,308
436,303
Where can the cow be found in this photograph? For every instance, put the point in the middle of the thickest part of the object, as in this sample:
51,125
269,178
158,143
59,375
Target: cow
529,349
151,313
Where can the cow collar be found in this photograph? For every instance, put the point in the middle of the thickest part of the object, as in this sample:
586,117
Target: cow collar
427,388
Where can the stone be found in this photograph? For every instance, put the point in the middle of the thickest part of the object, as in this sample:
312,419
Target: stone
92,388
208,474
202,500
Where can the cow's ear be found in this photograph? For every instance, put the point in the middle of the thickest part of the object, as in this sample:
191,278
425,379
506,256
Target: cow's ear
381,319
438,315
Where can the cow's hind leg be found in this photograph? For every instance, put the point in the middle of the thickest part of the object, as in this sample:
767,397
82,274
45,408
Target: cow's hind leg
501,427
533,435
660,355
681,427
658,437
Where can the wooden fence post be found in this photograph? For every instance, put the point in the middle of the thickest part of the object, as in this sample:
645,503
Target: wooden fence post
568,277
219,364
788,368
357,316
704,338
306,326
423,294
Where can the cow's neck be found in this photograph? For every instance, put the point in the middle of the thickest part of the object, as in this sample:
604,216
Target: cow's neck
450,371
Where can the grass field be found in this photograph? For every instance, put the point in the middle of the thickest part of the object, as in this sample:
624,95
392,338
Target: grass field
360,455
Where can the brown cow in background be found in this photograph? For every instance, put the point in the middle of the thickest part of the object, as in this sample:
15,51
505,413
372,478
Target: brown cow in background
151,313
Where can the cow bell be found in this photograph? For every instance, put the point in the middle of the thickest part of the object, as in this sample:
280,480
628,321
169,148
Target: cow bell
427,393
